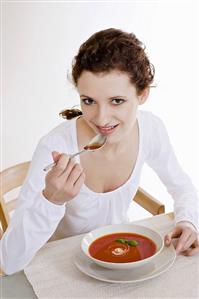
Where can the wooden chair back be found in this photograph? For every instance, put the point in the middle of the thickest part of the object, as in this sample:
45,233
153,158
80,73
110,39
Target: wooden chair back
11,178
148,202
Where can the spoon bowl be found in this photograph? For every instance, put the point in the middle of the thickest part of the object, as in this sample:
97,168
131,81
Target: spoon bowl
96,143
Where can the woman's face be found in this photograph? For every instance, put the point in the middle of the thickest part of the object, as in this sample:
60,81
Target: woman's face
109,103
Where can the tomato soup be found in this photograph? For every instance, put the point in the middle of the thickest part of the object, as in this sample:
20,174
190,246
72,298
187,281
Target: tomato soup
122,248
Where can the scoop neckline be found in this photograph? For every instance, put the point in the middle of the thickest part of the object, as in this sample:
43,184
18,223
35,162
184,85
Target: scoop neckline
133,173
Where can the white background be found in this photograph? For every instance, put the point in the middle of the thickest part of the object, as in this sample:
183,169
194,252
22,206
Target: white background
39,40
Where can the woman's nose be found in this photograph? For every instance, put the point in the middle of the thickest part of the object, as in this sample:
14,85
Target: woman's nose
102,116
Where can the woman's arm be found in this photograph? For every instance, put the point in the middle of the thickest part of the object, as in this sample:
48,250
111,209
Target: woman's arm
163,161
35,218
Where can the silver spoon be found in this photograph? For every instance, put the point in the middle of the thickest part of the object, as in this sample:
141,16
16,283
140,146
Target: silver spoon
96,143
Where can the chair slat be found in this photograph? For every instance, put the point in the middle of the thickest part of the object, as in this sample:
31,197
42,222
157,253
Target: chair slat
148,202
4,216
13,177
11,205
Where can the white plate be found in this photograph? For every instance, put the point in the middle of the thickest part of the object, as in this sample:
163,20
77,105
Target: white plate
156,267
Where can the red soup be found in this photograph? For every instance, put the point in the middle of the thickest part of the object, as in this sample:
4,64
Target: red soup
122,248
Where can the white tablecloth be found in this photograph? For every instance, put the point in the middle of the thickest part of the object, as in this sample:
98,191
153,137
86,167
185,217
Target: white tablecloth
52,273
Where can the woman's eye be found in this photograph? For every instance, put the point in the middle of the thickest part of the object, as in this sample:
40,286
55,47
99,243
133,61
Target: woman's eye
88,101
117,101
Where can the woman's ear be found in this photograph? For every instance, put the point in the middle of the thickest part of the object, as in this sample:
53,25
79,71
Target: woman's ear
143,96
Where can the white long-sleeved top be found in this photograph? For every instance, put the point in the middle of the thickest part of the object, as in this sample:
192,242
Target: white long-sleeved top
36,220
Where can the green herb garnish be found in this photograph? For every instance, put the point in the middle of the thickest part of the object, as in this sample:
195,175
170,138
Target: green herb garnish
123,241
132,242
129,242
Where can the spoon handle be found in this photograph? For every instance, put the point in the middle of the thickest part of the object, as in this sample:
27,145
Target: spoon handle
50,166
78,153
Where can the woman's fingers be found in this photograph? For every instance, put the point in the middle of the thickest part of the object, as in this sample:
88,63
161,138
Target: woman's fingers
64,180
56,156
61,165
173,234
74,174
188,243
182,241
193,249
69,168
74,181
65,166
79,182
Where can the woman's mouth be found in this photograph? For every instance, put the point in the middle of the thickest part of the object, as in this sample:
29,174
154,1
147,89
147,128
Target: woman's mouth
107,130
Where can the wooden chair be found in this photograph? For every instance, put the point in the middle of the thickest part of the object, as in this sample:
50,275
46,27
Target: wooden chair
11,178
14,176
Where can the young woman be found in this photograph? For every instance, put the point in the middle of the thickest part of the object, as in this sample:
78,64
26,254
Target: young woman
113,76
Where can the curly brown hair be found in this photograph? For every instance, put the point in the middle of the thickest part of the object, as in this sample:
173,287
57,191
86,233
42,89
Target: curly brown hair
114,49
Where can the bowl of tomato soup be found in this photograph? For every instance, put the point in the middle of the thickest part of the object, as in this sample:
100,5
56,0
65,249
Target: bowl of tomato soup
122,246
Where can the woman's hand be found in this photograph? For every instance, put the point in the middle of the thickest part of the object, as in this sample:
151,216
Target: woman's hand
64,181
188,242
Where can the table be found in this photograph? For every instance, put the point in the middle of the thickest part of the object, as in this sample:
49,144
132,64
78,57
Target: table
17,285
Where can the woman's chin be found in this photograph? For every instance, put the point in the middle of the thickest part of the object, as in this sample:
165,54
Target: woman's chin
113,138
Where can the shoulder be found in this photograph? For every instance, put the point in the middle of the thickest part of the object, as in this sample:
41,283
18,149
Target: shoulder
60,137
153,131
152,126
148,119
